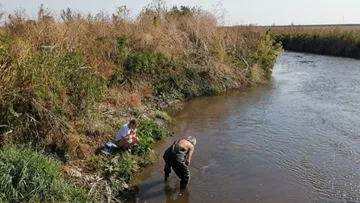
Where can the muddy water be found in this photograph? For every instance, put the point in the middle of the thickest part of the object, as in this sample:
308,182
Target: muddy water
296,139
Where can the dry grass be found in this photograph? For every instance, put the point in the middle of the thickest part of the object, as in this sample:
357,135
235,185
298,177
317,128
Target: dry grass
69,81
327,40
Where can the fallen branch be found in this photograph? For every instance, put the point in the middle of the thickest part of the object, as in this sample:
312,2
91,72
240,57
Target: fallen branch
94,186
247,64
108,189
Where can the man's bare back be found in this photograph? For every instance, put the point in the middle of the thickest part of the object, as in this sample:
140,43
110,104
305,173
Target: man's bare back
189,147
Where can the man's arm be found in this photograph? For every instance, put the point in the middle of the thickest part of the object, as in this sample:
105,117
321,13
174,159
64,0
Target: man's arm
191,150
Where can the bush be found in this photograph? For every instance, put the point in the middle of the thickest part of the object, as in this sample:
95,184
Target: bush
117,170
266,53
28,176
122,46
148,132
148,63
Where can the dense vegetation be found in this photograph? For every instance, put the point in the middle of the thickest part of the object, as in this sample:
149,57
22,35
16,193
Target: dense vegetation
334,41
28,176
67,85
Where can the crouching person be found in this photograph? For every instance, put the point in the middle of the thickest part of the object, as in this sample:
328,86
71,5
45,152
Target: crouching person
126,137
178,157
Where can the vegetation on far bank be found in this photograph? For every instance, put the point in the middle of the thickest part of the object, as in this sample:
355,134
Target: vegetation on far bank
333,41
67,85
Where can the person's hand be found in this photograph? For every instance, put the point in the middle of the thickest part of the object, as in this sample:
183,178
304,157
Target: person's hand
187,162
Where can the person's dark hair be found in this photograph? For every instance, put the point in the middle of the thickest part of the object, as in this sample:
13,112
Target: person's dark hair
133,122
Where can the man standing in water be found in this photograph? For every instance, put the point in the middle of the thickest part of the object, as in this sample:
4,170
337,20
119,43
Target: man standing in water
178,157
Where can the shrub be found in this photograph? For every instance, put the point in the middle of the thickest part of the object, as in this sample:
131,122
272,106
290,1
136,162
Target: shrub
118,170
28,176
148,132
122,46
147,63
266,53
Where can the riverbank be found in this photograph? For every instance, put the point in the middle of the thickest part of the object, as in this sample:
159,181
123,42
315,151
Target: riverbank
68,85
341,41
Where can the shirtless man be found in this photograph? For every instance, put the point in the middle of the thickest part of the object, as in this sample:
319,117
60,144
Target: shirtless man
178,157
126,137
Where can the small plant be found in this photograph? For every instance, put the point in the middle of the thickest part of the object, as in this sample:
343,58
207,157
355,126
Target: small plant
117,170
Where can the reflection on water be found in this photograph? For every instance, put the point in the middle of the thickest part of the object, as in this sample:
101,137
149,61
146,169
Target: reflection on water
293,140
173,195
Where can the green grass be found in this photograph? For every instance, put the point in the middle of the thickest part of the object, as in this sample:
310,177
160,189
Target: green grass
28,176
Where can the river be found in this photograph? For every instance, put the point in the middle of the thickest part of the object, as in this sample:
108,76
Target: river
296,139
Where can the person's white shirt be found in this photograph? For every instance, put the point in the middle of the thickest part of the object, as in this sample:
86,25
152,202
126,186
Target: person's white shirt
124,130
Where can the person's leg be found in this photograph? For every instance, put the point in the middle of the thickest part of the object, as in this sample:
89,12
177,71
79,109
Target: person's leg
122,143
185,179
183,173
167,170
135,140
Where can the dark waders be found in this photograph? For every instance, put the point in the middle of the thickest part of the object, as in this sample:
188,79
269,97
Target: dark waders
175,157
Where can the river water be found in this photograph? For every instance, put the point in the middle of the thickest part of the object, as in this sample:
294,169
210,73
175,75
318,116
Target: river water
296,139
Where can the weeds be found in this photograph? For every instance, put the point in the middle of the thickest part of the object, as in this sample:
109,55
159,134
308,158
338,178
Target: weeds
117,170
28,176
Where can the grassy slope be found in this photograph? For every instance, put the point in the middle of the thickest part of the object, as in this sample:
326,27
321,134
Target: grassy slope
67,86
